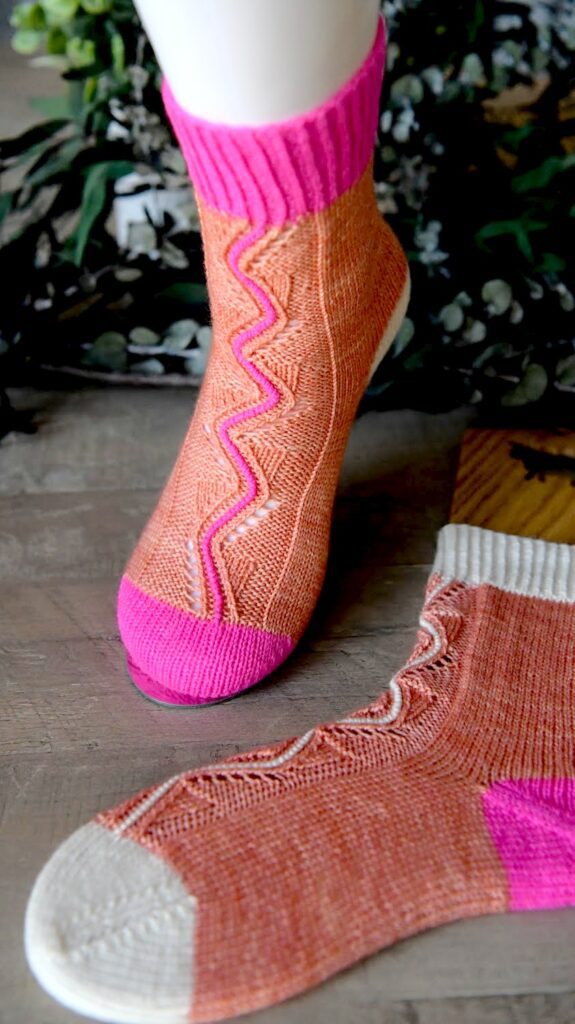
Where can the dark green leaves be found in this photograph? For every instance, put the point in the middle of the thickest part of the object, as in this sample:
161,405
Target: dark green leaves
98,179
540,177
29,141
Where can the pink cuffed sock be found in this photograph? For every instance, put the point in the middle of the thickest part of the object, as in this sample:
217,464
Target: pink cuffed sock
308,287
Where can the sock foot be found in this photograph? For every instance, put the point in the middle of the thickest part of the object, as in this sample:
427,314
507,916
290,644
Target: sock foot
92,927
179,660
308,288
452,796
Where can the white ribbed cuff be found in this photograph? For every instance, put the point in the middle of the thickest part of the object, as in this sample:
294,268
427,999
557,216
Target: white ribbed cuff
521,565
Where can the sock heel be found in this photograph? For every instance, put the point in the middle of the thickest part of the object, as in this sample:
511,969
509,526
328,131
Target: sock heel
393,326
532,824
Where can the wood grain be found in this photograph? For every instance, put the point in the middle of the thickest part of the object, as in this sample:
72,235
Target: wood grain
517,481
77,737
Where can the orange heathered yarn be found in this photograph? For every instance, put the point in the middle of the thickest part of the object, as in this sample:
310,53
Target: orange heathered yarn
335,280
308,288
228,888
454,800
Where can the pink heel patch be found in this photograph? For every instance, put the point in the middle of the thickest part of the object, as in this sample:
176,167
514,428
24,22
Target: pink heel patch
532,823
179,659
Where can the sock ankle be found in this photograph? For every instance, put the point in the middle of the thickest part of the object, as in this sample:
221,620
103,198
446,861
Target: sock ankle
229,888
308,286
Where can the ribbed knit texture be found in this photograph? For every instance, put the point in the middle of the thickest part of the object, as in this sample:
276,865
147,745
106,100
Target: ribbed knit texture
452,795
275,173
523,565
308,287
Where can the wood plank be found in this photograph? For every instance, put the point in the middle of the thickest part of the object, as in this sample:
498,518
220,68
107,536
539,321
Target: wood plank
78,737
90,535
111,438
75,695
85,535
520,482
95,439
493,955
54,610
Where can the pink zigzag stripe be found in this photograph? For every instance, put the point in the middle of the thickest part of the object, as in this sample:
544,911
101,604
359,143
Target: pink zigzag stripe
273,398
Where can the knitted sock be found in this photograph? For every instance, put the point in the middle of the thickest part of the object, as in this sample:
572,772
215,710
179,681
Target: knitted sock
308,287
229,888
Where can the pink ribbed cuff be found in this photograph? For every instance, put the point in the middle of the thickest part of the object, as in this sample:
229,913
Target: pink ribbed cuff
278,172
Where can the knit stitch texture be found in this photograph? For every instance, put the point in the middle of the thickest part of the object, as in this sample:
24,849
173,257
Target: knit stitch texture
308,287
232,887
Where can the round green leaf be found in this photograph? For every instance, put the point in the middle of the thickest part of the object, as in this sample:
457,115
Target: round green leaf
127,274
28,16
60,12
566,371
81,52
148,367
498,296
531,387
108,352
476,332
96,6
144,337
404,336
204,338
195,364
452,317
180,334
26,41
408,87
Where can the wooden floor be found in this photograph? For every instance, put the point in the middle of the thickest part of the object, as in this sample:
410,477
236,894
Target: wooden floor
77,737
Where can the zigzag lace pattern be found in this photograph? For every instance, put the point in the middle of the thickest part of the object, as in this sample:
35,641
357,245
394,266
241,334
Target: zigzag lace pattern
270,401
212,788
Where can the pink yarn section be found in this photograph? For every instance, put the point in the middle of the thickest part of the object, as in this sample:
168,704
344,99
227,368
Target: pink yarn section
532,823
179,659
275,173
271,400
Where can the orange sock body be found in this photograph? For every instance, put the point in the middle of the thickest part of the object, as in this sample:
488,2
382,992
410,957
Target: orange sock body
308,287
229,888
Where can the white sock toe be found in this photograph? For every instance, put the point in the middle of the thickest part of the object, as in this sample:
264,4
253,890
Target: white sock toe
109,931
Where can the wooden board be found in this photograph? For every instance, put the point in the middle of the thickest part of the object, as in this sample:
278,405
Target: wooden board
77,737
517,481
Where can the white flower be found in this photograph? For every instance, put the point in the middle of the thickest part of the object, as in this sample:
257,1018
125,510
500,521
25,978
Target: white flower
427,239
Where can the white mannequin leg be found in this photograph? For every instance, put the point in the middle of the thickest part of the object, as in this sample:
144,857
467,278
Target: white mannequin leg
258,61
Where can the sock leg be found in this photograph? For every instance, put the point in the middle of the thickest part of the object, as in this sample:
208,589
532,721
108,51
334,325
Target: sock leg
230,888
308,287
258,61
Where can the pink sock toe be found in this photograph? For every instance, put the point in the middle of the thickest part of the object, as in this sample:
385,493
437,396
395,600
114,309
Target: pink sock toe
179,659
308,287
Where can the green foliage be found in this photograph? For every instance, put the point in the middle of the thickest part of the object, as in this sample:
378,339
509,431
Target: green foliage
104,59
94,193
476,172
476,177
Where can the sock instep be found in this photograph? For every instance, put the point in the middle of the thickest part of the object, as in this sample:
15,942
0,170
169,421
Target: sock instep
229,888
308,287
